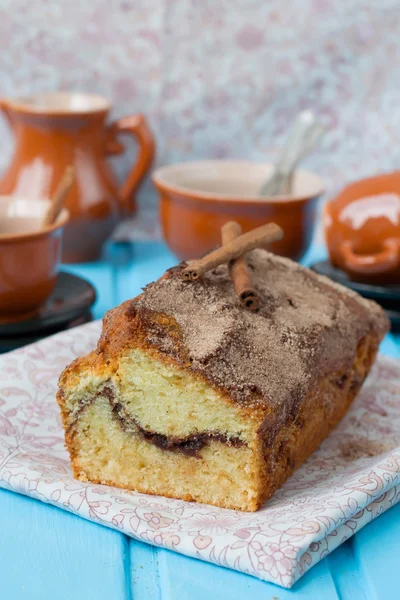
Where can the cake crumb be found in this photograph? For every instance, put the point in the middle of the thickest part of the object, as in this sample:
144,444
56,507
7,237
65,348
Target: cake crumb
363,448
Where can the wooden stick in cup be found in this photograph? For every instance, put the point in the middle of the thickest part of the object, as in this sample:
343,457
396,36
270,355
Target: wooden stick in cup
238,269
57,201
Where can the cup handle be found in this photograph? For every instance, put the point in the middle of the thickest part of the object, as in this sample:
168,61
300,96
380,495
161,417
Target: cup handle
374,264
135,125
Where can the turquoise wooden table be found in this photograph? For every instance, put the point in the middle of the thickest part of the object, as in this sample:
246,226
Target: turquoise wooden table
49,554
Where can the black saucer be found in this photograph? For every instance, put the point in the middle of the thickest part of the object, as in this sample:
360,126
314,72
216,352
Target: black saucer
388,296
71,298
377,292
13,342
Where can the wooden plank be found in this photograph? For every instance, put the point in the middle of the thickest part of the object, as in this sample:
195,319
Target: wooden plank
100,275
165,575
377,552
49,554
137,265
345,574
144,571
396,338
391,345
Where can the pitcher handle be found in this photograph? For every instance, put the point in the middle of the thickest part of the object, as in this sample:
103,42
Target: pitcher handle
385,260
135,125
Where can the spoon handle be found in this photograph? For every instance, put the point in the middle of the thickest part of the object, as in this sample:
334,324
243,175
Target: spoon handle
299,137
303,136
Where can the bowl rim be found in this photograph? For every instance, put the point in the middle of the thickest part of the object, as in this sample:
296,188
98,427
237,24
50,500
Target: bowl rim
62,219
96,103
159,180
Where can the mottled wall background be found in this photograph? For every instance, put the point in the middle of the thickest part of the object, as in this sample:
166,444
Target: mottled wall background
220,78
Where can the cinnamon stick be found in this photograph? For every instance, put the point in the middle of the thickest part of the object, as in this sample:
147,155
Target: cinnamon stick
245,243
238,269
57,201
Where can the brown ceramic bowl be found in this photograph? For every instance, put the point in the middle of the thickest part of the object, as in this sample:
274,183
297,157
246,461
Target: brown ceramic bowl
29,256
197,198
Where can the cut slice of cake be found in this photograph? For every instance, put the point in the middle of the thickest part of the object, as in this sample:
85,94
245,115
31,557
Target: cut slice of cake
189,395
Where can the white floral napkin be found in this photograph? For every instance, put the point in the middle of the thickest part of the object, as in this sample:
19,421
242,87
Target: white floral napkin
351,479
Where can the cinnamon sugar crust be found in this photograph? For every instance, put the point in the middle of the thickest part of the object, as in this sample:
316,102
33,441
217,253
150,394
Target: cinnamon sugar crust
306,328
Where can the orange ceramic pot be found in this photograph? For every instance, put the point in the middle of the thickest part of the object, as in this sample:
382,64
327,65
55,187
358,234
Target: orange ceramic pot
197,198
362,229
55,130
29,257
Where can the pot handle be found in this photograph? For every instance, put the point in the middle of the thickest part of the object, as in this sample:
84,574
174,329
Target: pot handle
135,125
380,262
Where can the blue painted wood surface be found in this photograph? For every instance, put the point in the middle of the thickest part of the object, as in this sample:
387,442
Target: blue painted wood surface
49,554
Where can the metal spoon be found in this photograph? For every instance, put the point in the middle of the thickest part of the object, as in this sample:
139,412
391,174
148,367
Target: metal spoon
303,136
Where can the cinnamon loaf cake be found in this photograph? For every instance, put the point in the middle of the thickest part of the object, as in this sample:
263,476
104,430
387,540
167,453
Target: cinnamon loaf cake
188,395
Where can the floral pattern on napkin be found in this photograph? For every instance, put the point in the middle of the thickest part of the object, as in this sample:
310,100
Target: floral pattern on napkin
350,480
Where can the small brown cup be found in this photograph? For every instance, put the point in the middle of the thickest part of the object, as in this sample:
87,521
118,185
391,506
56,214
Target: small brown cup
29,257
197,198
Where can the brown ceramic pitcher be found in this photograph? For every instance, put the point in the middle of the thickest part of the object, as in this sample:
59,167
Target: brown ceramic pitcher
59,129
